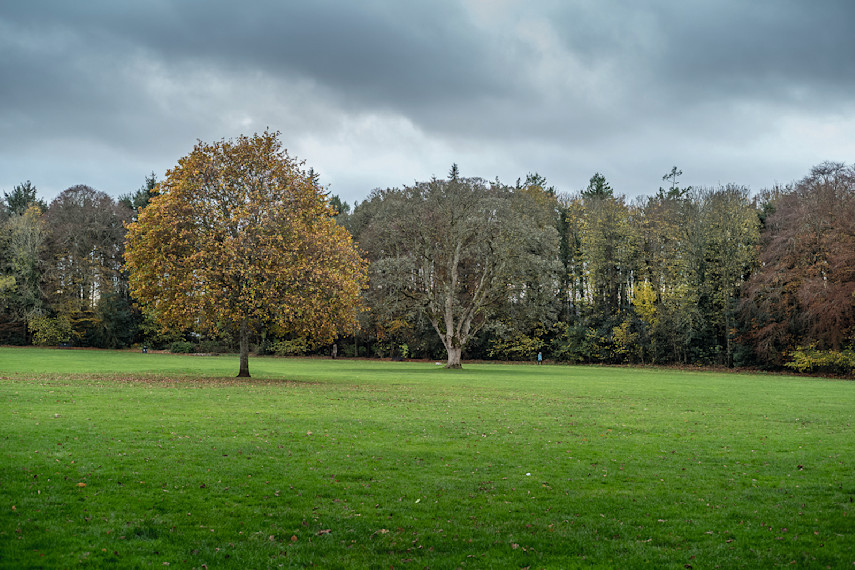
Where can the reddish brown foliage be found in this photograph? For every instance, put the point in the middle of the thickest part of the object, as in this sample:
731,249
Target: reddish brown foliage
804,291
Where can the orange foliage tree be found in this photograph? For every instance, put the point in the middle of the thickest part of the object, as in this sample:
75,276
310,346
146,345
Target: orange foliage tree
240,238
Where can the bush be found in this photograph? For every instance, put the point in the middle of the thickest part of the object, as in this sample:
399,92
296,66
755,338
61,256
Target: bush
294,347
625,342
349,350
809,359
13,331
214,346
51,331
572,343
182,347
156,338
116,324
517,346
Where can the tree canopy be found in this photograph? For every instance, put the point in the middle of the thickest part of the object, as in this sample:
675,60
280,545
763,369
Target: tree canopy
239,237
238,240
803,292
22,197
454,251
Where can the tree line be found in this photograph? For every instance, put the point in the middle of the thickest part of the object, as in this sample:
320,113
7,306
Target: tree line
465,268
710,276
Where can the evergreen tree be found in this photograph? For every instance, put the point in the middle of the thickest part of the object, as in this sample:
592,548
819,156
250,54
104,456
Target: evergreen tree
22,197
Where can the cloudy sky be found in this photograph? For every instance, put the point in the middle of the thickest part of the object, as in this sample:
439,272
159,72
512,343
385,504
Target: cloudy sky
379,93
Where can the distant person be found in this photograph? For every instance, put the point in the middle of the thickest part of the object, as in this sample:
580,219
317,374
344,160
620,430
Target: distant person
540,358
334,351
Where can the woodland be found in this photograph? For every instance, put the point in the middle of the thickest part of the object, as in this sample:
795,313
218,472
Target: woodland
469,269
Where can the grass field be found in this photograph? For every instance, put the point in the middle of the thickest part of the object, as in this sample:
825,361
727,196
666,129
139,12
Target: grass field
122,459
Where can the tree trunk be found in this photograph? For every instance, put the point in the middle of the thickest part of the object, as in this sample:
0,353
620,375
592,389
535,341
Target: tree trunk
454,357
244,350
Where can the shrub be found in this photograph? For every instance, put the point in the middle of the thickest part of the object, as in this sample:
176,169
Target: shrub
154,337
350,351
517,346
294,347
571,344
809,359
182,347
214,346
625,342
49,331
115,325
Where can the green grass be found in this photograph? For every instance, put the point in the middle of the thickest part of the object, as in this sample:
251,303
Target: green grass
131,460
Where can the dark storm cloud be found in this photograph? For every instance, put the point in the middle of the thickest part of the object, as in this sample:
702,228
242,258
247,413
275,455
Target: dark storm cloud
378,51
391,91
82,69
681,55
727,42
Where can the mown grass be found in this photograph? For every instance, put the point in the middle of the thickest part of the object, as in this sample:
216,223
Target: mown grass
130,460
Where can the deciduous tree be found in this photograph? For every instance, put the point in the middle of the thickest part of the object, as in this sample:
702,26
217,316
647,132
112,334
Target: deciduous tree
455,250
731,233
608,247
85,245
22,248
804,290
241,238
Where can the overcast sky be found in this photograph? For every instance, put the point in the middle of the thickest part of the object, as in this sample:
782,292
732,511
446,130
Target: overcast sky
381,93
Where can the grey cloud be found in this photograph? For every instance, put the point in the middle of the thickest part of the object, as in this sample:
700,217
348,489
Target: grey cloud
387,51
689,57
565,88
786,50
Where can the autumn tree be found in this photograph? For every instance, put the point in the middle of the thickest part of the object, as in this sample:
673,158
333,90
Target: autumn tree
240,238
697,247
662,297
22,241
803,292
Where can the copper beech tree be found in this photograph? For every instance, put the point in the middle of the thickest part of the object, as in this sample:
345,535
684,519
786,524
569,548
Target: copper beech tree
240,238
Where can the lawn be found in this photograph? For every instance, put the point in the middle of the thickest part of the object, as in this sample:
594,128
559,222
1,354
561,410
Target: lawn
124,459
